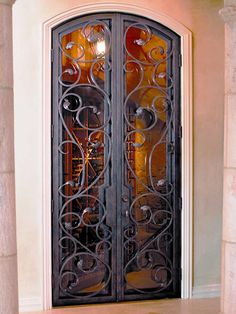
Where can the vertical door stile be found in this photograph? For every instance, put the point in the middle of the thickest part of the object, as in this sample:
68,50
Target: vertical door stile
55,166
177,165
119,148
110,190
114,149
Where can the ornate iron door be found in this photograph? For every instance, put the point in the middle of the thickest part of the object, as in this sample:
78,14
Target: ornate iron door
115,160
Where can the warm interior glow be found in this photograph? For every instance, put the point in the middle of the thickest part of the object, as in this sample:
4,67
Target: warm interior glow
147,99
100,48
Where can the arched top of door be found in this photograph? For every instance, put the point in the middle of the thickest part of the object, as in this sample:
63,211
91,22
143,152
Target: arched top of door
156,16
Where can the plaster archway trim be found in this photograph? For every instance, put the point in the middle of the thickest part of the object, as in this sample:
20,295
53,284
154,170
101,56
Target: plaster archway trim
187,133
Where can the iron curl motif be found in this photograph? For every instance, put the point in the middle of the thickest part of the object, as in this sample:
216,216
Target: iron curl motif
148,114
91,35
84,98
83,260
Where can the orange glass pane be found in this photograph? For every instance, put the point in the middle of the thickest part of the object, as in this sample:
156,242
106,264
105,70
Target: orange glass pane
146,115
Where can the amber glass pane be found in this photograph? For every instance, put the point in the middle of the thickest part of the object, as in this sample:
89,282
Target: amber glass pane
84,150
147,117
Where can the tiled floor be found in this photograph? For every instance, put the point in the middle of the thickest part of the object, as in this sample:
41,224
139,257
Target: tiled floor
195,306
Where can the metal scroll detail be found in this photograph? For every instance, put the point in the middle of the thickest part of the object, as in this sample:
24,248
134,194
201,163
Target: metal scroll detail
84,147
148,149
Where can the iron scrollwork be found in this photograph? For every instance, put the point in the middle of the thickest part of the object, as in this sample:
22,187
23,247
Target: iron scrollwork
114,147
148,232
83,100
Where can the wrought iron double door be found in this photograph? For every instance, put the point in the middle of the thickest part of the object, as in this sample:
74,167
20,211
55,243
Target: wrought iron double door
115,160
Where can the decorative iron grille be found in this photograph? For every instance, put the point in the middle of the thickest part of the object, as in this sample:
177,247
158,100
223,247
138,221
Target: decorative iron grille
115,160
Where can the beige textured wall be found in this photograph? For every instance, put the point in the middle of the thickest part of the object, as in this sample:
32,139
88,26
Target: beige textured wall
208,140
201,17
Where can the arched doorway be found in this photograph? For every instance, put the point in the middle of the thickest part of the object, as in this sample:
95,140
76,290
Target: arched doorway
115,160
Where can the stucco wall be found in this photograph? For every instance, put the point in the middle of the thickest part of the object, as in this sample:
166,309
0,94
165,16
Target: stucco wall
201,17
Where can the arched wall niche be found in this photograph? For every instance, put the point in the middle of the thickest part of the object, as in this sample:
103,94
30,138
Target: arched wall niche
186,121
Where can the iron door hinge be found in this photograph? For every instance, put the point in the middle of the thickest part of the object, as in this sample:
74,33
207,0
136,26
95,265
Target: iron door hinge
180,60
52,55
180,203
52,131
180,131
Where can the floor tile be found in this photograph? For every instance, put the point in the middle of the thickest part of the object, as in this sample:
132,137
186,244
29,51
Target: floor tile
194,306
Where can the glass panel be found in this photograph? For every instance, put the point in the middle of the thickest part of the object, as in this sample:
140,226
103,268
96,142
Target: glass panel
84,156
148,117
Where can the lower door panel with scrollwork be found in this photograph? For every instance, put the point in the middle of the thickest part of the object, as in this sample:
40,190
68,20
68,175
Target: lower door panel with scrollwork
115,160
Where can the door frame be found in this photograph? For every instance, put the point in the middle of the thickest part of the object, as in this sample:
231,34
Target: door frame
186,145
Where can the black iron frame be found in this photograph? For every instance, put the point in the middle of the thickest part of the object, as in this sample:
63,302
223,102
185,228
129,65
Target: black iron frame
117,188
